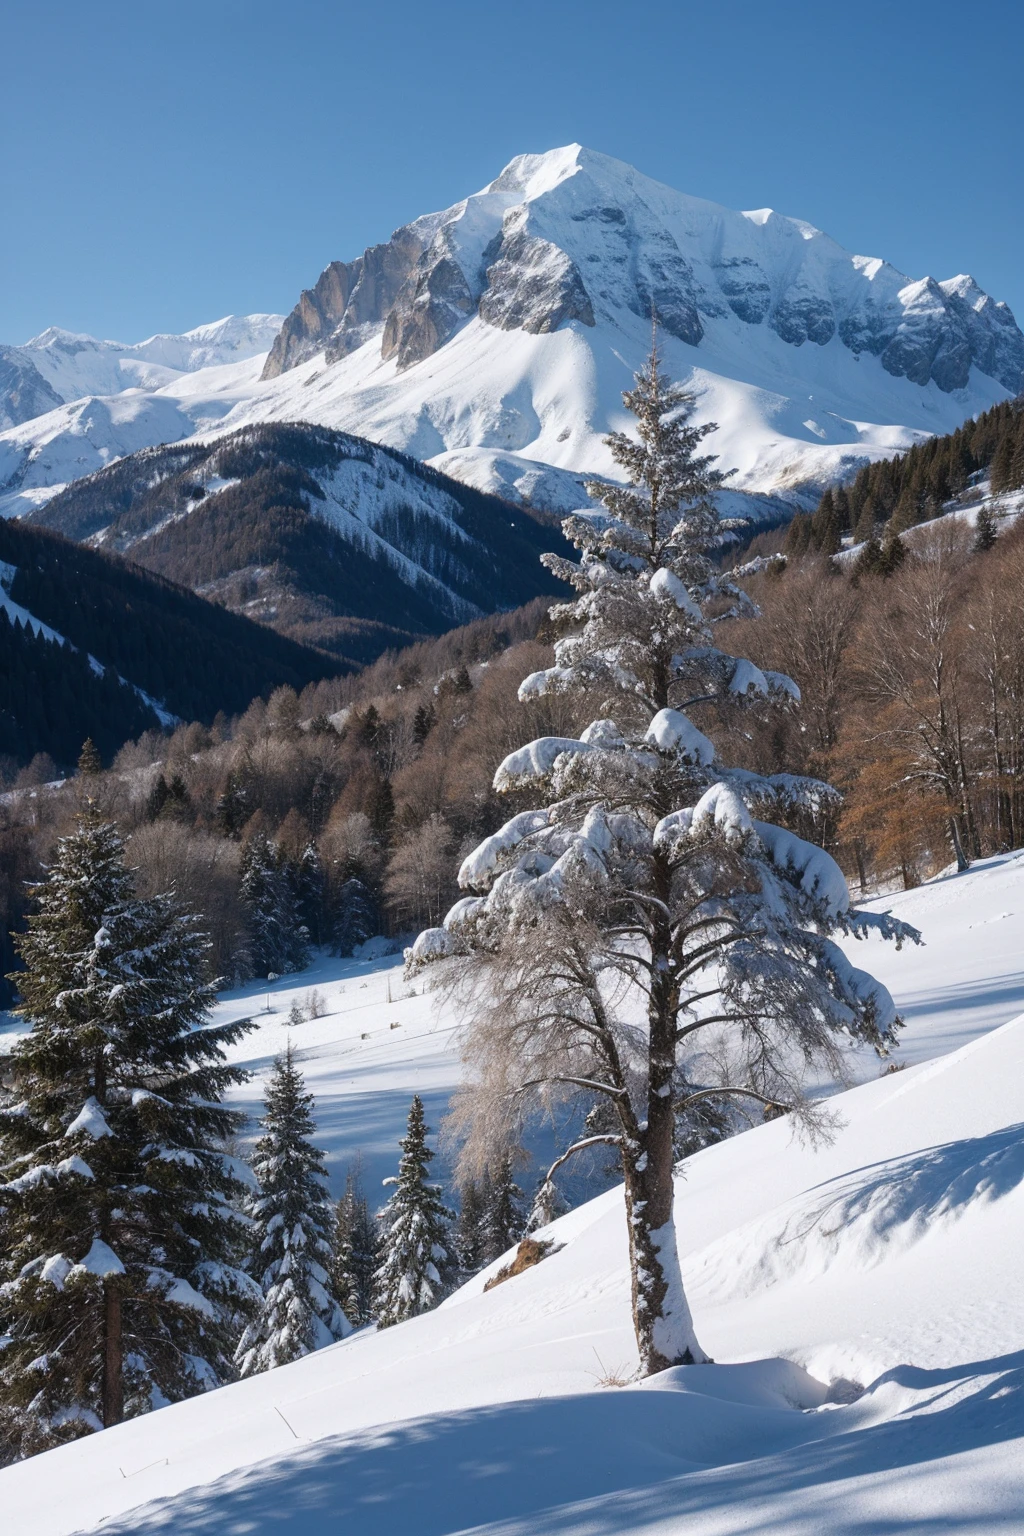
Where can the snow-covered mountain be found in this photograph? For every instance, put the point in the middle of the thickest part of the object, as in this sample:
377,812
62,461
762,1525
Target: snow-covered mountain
326,537
862,1298
58,366
493,340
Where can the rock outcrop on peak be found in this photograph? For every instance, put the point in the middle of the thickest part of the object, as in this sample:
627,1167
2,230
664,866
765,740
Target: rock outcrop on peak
24,392
349,299
430,305
533,286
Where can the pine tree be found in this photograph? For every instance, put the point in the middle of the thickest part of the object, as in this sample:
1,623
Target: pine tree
864,532
278,939
120,1238
415,1241
355,1253
985,531
469,1233
292,1233
423,723
89,760
310,887
644,878
354,915
503,1220
1001,471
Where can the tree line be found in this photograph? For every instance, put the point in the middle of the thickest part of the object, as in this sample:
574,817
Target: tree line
890,496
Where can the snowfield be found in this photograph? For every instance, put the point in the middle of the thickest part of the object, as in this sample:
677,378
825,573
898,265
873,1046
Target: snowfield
864,1299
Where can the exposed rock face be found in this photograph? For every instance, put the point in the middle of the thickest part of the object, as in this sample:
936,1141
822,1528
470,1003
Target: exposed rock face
24,392
533,286
745,286
431,303
666,286
575,237
349,299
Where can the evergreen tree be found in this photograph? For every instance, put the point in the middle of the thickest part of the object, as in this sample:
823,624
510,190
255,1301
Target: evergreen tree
278,939
292,1232
355,1253
503,1221
381,809
309,884
89,760
354,918
645,873
423,723
864,532
415,1241
120,1290
985,531
233,807
1001,471
469,1233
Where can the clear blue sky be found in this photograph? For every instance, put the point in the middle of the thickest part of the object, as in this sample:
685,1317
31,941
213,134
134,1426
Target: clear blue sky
165,162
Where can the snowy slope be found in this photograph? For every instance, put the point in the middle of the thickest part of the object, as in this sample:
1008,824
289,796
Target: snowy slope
72,366
493,340
887,1261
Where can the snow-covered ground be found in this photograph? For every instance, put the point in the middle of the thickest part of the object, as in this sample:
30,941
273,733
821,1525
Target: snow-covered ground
888,1261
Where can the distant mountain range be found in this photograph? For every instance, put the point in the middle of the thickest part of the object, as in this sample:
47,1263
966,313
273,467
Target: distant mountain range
493,339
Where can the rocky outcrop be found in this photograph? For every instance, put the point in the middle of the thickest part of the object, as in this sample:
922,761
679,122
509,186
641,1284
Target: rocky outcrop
932,332
666,287
533,286
24,392
745,286
802,315
349,300
434,299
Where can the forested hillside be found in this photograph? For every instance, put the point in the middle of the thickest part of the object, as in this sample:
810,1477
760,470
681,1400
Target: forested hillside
891,496
913,703
130,633
325,537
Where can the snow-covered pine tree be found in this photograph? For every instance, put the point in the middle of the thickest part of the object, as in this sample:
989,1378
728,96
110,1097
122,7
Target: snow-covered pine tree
644,882
118,1206
292,1231
279,940
355,1253
503,1220
415,1242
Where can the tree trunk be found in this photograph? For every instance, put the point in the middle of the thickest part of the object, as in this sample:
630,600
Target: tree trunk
113,1374
962,861
661,1313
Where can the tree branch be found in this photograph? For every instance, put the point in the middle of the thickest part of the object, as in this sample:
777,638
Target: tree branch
577,1082
580,1146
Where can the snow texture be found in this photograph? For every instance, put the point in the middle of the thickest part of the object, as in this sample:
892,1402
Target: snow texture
863,1300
